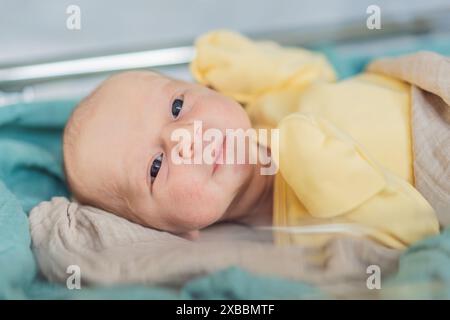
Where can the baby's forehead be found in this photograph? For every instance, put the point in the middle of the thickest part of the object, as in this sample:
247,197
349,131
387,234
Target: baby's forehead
135,79
138,84
129,102
140,97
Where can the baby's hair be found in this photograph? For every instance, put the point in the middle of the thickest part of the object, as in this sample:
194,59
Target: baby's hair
82,111
85,109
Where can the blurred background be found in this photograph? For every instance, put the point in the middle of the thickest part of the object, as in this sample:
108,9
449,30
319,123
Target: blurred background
118,35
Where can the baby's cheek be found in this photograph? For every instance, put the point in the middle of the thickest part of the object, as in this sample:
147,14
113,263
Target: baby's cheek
196,203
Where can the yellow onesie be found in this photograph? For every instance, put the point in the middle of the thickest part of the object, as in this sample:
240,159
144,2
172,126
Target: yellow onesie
345,149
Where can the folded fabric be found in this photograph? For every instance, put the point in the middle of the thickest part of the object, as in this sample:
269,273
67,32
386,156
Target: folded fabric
29,173
424,271
430,75
427,70
111,250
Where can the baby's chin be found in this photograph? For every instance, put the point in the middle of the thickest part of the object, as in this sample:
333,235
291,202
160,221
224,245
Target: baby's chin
191,235
198,222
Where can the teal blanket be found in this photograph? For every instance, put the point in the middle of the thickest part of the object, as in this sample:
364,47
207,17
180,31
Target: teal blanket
31,172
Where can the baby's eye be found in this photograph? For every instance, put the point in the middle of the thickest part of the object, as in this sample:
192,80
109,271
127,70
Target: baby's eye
177,105
156,165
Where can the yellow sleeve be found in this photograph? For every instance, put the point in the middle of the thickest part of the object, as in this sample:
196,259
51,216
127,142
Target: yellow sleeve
328,172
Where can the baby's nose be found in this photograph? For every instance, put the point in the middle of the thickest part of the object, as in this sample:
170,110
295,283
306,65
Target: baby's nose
186,148
184,141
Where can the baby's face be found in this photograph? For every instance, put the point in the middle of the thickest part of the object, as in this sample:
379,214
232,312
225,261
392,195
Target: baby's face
126,146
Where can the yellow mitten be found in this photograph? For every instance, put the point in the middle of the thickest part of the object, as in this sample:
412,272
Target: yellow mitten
245,70
335,181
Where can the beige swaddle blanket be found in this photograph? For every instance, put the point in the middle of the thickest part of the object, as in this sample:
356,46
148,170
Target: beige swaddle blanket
429,74
109,249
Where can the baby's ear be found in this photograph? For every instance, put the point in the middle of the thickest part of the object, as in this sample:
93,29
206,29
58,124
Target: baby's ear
191,235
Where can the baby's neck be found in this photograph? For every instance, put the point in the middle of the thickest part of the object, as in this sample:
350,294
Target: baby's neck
254,204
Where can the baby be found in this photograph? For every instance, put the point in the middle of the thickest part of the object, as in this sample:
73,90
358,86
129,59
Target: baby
117,156
344,149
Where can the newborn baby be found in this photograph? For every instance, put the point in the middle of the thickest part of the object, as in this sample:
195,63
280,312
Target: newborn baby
117,155
344,149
